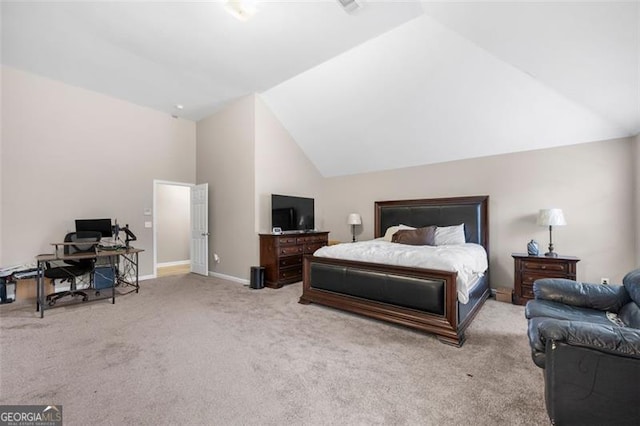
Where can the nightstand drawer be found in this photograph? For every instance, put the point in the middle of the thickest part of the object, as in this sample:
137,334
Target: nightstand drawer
528,278
547,266
528,269
527,291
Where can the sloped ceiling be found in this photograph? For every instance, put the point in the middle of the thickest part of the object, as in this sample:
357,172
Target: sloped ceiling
396,84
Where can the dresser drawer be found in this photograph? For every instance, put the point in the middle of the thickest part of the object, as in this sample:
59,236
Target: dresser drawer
547,267
289,261
287,240
312,239
294,273
311,248
290,250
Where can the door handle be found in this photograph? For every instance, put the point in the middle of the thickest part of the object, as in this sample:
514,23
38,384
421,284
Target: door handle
205,234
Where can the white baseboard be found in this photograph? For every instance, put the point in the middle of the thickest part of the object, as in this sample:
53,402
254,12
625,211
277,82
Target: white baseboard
176,263
211,274
228,277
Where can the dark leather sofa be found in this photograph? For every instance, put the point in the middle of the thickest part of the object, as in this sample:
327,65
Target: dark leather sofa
586,337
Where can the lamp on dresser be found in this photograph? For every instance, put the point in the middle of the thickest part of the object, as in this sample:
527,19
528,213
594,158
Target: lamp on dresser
353,220
551,218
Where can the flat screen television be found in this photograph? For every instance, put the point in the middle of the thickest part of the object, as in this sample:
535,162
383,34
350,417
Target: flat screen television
100,225
292,213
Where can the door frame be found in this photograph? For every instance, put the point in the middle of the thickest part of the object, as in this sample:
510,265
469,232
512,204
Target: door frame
154,214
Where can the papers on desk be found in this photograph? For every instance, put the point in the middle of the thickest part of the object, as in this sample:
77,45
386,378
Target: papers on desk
29,273
18,269
110,244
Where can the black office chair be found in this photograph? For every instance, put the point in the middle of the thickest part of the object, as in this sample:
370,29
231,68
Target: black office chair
73,268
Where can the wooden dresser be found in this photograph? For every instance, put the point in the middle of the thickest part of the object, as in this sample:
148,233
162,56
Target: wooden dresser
527,269
281,255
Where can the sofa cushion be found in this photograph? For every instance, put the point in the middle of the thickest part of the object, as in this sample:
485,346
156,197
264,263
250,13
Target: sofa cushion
630,315
631,282
592,296
548,309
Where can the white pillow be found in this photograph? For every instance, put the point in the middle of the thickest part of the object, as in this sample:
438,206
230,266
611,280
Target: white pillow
448,235
388,235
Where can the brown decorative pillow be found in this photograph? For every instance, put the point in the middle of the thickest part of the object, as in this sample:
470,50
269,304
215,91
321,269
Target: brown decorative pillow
416,237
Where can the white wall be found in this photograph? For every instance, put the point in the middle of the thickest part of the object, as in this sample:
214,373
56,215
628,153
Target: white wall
71,153
592,183
2,171
225,160
637,198
173,219
281,168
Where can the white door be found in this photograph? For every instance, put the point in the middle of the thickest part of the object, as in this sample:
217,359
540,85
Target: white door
200,229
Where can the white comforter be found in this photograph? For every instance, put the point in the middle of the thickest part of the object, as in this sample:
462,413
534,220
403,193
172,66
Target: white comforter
469,260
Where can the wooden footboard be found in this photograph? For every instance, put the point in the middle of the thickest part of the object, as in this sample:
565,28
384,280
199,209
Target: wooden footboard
340,277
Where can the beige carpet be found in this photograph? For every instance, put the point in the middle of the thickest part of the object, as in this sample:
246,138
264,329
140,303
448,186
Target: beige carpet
195,350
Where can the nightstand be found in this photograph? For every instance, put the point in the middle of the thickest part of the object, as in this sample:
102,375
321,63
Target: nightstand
527,269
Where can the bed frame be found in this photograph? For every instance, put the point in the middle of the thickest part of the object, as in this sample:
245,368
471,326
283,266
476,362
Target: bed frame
424,299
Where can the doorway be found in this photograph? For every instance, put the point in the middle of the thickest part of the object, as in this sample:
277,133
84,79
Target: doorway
171,228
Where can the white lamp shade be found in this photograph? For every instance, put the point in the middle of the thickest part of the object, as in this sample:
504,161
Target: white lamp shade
551,217
354,219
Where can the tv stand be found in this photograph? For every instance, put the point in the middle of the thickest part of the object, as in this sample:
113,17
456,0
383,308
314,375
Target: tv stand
281,255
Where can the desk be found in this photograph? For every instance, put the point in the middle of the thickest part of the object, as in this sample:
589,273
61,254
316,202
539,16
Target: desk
128,276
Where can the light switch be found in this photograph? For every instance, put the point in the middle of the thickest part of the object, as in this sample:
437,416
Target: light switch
148,224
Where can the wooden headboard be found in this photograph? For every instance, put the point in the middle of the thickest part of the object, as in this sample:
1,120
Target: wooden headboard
472,211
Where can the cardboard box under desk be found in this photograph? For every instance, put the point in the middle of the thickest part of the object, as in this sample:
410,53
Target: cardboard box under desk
26,289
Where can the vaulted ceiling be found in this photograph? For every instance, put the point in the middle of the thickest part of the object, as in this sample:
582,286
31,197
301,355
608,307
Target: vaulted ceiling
394,84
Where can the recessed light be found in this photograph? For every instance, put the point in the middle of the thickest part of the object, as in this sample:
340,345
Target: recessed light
178,106
241,9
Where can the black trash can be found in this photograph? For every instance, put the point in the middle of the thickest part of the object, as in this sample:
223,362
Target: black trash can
257,277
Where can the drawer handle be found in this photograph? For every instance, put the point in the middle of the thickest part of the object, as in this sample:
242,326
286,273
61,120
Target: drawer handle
543,267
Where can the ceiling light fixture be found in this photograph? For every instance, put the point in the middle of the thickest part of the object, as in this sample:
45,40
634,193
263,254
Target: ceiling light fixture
241,9
350,6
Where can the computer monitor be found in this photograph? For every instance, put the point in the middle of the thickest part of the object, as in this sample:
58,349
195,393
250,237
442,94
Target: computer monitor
99,225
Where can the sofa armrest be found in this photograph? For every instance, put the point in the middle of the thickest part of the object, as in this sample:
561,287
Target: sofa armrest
622,341
584,386
592,296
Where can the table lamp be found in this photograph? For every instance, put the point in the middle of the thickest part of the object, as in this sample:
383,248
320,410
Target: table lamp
353,220
551,218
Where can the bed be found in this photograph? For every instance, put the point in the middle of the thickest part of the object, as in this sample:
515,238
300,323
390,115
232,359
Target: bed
423,299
